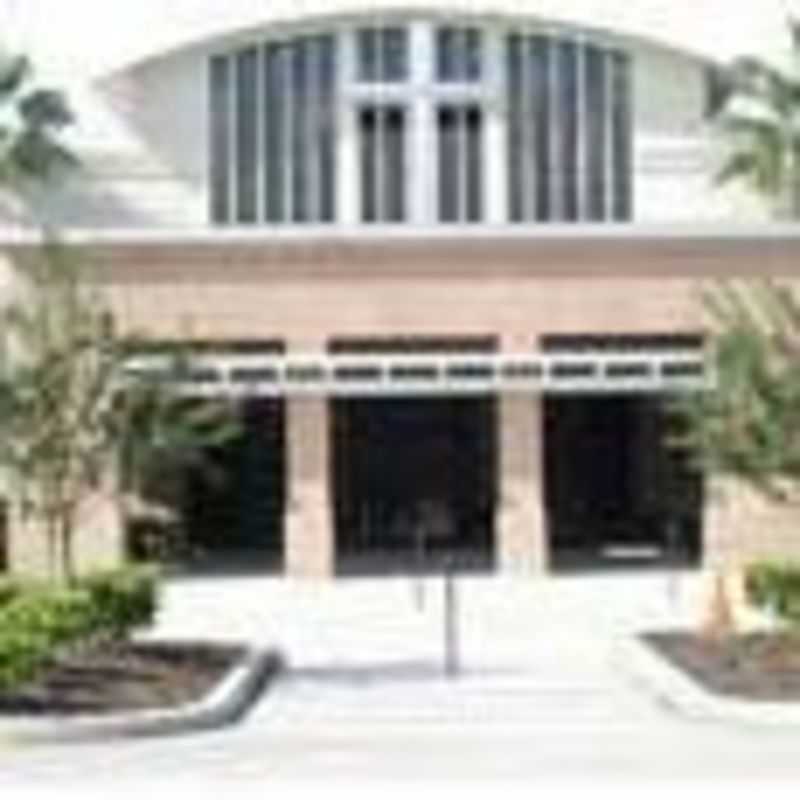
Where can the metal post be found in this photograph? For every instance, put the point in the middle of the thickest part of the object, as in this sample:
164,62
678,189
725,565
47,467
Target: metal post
673,538
451,660
419,555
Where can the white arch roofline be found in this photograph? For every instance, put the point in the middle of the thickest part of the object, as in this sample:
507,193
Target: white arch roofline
703,31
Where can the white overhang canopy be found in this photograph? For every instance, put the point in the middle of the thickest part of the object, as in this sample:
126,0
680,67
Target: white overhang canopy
672,371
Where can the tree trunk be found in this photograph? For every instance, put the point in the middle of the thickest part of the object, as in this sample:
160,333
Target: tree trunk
67,565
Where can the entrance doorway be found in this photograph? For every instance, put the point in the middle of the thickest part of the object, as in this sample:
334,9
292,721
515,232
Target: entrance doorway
414,483
616,493
232,503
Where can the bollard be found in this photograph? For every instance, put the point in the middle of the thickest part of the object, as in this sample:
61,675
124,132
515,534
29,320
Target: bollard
451,660
419,583
673,568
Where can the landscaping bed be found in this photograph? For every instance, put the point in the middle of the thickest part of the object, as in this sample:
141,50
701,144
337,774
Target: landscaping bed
762,666
121,677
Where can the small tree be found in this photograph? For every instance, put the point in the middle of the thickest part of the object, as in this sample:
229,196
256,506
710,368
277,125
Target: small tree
32,121
747,425
72,412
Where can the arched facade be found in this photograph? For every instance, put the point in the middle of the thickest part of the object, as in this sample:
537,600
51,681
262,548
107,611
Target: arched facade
447,259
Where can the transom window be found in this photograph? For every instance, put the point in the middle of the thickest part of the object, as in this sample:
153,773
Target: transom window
420,123
459,55
382,55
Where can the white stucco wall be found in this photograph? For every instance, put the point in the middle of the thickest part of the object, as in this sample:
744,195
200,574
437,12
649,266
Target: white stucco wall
143,126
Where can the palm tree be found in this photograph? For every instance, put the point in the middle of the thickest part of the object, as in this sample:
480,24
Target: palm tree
31,120
762,121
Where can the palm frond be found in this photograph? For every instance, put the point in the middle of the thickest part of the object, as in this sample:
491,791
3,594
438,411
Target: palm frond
13,74
755,78
45,108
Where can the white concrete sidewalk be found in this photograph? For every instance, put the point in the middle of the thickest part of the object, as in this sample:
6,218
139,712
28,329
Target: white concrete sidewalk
367,652
542,696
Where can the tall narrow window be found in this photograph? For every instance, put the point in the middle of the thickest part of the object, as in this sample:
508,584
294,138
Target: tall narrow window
382,55
520,174
596,115
529,128
459,55
299,130
300,144
382,131
541,69
622,144
246,135
567,104
325,125
220,106
569,131
276,101
460,134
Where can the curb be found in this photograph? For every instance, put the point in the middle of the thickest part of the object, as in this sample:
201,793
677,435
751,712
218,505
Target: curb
224,705
682,694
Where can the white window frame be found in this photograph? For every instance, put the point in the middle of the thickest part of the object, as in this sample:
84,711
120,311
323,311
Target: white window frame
421,95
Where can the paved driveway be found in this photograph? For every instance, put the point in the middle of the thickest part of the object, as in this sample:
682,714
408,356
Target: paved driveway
541,692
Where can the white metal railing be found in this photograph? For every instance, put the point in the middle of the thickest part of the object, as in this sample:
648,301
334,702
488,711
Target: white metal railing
451,374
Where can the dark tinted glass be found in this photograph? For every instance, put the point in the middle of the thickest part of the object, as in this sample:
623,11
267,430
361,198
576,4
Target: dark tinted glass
382,54
459,55
473,55
568,127
383,164
275,142
395,54
220,107
622,144
460,134
368,126
474,164
368,48
326,126
450,188
596,132
541,68
395,160
246,136
299,127
559,152
517,174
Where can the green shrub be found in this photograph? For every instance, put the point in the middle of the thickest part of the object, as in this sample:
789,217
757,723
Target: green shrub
8,590
37,621
35,624
123,599
775,586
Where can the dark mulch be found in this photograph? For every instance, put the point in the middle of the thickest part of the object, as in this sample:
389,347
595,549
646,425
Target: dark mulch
123,677
755,666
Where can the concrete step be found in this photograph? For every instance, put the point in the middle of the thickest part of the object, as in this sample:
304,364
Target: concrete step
298,703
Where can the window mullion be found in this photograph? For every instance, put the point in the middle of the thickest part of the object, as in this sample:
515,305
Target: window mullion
422,178
494,146
347,148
